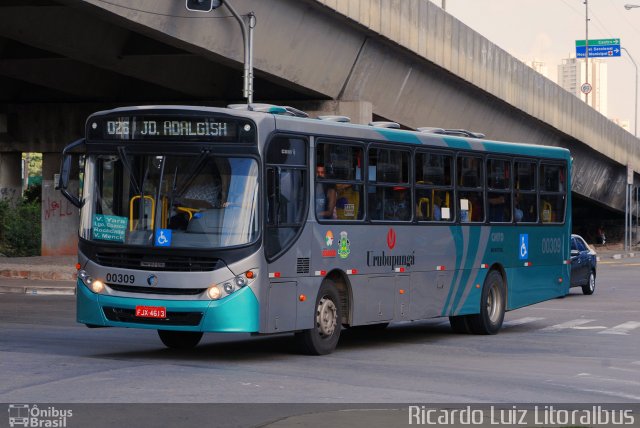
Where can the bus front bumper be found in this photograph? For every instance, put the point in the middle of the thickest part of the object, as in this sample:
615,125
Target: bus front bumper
236,313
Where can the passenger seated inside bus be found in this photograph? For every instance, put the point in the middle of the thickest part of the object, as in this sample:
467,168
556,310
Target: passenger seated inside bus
433,205
471,207
498,204
326,196
397,207
348,202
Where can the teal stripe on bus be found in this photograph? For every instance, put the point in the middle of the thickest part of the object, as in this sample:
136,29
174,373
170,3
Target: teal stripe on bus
526,150
456,233
473,243
399,136
457,143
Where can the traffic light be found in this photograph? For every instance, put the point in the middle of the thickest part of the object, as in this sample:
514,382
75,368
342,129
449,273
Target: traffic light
203,5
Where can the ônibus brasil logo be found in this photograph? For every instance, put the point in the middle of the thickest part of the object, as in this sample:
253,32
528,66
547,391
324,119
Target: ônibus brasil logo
26,415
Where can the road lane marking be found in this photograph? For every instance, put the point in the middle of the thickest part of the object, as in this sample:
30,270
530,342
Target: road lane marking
622,329
566,325
521,321
589,327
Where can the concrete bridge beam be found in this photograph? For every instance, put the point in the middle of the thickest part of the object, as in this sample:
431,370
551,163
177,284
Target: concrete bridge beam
10,176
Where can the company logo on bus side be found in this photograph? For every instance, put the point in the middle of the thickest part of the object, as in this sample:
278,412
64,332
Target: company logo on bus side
391,238
392,260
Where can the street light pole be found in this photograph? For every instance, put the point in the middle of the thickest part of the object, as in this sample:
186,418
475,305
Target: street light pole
631,6
635,127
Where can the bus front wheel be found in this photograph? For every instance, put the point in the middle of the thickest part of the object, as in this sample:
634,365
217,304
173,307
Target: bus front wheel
323,338
180,339
492,306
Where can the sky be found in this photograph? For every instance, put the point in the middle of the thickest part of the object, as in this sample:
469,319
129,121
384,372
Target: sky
546,30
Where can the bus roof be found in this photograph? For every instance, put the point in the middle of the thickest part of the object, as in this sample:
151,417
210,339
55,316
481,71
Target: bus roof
342,130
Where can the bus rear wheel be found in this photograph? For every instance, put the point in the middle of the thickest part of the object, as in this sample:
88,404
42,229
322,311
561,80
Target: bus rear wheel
323,338
180,339
492,306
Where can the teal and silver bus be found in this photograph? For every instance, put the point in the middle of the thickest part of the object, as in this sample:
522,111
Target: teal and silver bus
255,219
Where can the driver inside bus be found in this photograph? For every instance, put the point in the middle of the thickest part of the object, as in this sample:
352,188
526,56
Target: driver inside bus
208,190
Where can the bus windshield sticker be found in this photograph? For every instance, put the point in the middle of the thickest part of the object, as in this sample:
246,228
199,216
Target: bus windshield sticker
344,246
163,238
109,227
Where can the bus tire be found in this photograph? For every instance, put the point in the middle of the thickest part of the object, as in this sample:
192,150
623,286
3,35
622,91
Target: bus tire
590,286
180,339
492,306
460,324
323,338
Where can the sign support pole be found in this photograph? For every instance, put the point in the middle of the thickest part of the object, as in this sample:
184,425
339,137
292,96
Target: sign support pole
586,52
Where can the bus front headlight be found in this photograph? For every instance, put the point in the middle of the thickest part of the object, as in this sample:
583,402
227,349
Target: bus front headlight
214,292
94,285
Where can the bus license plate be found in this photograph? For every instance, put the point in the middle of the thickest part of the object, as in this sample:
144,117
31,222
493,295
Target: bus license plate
151,312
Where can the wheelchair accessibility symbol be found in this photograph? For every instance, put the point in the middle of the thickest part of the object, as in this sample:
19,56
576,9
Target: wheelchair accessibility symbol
524,246
163,237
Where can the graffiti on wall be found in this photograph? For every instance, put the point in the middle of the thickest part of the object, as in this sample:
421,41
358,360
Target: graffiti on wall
8,193
56,208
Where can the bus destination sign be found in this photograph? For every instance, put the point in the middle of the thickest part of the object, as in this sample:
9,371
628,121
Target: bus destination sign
168,128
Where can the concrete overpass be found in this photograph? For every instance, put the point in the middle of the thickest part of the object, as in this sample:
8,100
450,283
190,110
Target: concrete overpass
406,61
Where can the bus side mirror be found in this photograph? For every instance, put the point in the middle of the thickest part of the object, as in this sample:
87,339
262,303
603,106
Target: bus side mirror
65,171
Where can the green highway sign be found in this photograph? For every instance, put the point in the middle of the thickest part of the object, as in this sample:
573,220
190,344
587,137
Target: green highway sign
598,42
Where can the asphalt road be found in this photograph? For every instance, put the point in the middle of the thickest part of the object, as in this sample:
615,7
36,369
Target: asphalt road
578,349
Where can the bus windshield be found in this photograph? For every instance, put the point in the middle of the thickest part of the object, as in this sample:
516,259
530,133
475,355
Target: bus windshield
202,201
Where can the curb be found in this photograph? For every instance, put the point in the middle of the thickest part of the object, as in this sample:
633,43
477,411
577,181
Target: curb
69,290
623,256
38,275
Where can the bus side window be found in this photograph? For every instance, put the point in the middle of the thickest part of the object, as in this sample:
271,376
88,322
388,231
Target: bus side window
434,186
526,198
471,194
552,192
499,195
343,181
389,183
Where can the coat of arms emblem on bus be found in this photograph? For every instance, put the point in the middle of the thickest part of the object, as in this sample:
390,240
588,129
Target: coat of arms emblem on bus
344,245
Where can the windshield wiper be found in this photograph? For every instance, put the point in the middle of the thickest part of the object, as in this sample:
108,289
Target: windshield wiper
122,152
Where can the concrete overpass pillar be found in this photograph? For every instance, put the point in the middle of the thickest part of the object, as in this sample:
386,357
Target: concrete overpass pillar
10,176
360,112
60,219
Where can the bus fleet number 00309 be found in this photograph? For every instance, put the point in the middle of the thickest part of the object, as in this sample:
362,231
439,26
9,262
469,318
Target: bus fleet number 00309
119,278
